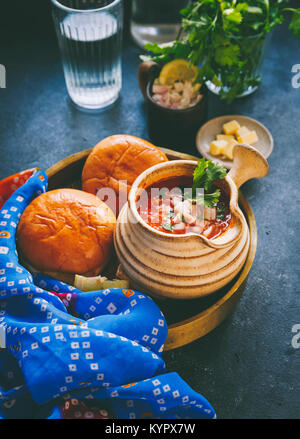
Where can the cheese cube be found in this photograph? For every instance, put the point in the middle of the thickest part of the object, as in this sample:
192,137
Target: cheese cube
226,137
249,138
216,147
227,151
242,132
231,127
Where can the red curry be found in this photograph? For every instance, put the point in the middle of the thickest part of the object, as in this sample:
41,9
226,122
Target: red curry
166,206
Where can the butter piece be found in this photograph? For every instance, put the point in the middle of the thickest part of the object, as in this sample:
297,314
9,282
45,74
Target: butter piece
242,132
231,127
227,150
226,137
217,146
249,138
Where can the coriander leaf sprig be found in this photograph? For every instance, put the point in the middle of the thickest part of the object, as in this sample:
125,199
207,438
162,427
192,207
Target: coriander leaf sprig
295,23
205,174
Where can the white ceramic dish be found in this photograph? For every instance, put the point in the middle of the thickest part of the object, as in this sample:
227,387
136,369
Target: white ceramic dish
209,131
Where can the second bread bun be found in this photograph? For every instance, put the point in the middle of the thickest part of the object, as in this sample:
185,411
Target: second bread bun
66,231
117,159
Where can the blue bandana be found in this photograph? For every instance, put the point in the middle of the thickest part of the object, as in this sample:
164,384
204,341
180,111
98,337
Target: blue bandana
60,343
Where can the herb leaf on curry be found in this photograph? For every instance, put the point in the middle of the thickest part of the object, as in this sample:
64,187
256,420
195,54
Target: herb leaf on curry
167,226
205,174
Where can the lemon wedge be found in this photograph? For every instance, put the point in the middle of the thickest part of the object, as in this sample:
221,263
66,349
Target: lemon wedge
89,283
177,70
98,283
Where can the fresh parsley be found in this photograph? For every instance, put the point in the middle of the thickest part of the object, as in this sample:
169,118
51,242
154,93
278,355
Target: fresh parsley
210,200
221,208
167,226
295,23
205,174
226,39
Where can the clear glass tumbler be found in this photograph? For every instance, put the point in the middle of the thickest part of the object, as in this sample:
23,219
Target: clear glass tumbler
156,21
90,39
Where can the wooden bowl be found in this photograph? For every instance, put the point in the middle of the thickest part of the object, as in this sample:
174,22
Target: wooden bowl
193,318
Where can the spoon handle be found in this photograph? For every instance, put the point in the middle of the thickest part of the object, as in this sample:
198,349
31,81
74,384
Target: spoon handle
248,163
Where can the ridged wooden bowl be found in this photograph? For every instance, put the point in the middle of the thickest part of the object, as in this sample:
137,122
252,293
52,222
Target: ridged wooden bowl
185,266
190,319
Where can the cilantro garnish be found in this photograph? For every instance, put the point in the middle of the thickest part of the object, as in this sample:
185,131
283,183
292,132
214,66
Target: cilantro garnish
210,200
220,211
205,174
295,23
167,226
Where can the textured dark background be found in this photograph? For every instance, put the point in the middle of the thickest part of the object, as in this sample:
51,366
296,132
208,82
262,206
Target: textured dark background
247,367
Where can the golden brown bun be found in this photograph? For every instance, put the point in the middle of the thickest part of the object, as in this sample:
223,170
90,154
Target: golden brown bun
119,157
66,231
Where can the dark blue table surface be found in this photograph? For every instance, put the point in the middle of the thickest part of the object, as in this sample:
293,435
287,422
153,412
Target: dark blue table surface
247,367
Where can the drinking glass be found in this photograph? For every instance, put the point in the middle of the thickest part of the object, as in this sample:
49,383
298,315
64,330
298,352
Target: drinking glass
156,21
90,38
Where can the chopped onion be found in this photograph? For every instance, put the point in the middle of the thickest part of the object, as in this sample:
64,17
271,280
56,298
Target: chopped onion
180,95
210,213
208,231
180,227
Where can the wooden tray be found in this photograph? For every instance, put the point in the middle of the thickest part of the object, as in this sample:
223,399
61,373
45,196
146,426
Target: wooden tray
191,319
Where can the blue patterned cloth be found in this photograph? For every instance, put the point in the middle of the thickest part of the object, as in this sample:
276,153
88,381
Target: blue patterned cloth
61,343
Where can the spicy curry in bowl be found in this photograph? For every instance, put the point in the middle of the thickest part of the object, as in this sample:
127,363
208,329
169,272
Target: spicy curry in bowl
168,206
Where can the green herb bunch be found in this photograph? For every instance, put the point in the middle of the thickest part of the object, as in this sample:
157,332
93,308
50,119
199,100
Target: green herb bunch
205,175
226,39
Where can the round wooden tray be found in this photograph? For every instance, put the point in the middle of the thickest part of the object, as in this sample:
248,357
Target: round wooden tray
188,320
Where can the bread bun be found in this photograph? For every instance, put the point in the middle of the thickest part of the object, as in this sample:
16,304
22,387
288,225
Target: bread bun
118,158
66,231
